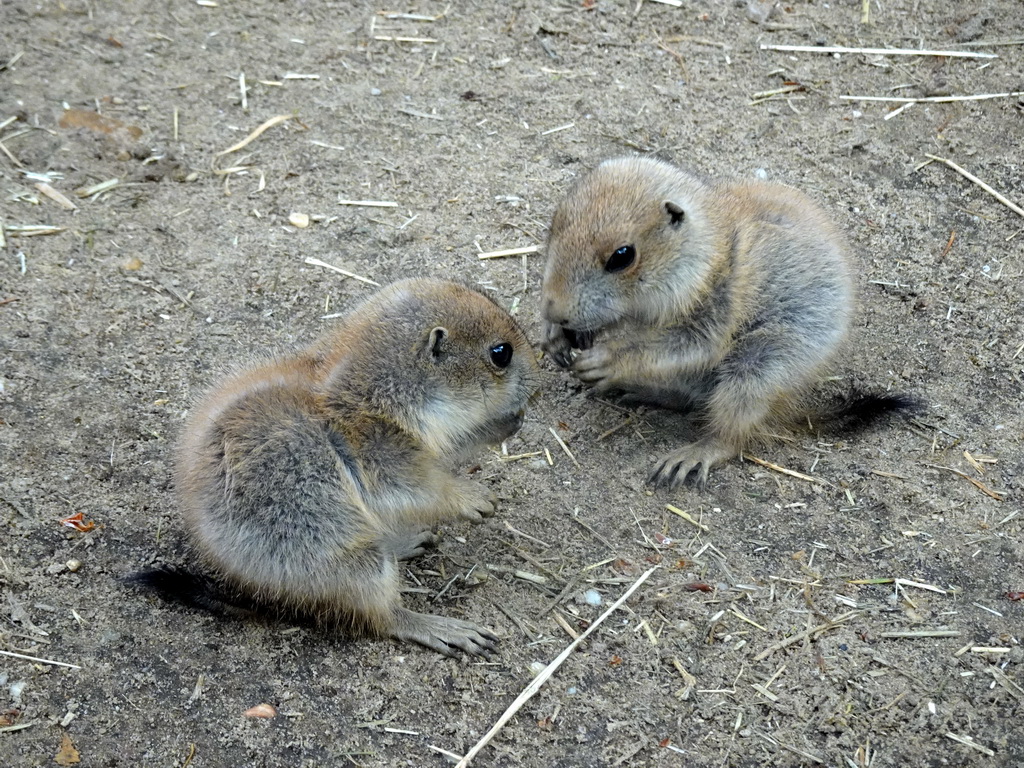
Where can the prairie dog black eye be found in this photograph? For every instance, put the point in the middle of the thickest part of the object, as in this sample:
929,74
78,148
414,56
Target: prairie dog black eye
620,259
501,354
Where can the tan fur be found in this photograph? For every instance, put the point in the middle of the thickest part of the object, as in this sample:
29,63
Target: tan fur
731,308
303,480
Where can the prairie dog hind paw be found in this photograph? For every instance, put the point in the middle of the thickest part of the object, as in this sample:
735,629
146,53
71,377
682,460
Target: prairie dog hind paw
444,635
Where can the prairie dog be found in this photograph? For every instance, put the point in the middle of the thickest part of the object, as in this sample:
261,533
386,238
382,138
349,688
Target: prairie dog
725,297
303,480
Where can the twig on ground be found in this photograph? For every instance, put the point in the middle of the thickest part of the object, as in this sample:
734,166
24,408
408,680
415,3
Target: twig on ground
807,633
548,671
971,177
564,447
932,99
916,634
525,250
263,127
317,263
976,483
782,470
967,741
12,654
877,51
369,203
687,517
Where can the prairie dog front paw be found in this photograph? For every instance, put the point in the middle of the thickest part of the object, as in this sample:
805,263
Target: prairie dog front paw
598,367
556,344
477,502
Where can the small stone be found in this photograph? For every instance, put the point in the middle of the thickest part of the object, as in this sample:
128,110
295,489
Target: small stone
759,11
299,220
592,596
73,565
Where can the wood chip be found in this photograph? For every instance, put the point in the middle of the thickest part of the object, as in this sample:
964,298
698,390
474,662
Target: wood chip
265,711
32,230
1012,688
764,692
58,197
96,189
565,625
67,754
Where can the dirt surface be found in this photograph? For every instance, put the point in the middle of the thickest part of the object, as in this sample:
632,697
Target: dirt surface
475,127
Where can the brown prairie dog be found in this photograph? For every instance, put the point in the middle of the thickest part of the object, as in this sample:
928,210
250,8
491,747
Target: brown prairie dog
304,480
726,297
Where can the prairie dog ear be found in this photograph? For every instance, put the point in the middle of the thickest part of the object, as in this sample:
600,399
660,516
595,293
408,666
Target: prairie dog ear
675,211
435,343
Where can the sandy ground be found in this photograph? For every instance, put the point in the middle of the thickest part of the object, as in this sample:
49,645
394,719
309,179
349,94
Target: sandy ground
804,652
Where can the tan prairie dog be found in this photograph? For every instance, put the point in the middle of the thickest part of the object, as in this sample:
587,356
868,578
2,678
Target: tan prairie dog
304,480
725,297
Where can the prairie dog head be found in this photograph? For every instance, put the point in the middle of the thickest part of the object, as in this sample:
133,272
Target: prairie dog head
633,239
442,360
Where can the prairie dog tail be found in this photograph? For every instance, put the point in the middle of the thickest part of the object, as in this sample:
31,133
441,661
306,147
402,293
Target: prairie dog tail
856,410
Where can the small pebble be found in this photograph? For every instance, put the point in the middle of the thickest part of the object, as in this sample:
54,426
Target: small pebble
536,668
73,565
299,220
16,690
592,596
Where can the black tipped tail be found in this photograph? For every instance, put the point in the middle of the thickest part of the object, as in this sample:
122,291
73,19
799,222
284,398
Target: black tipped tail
184,587
857,410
